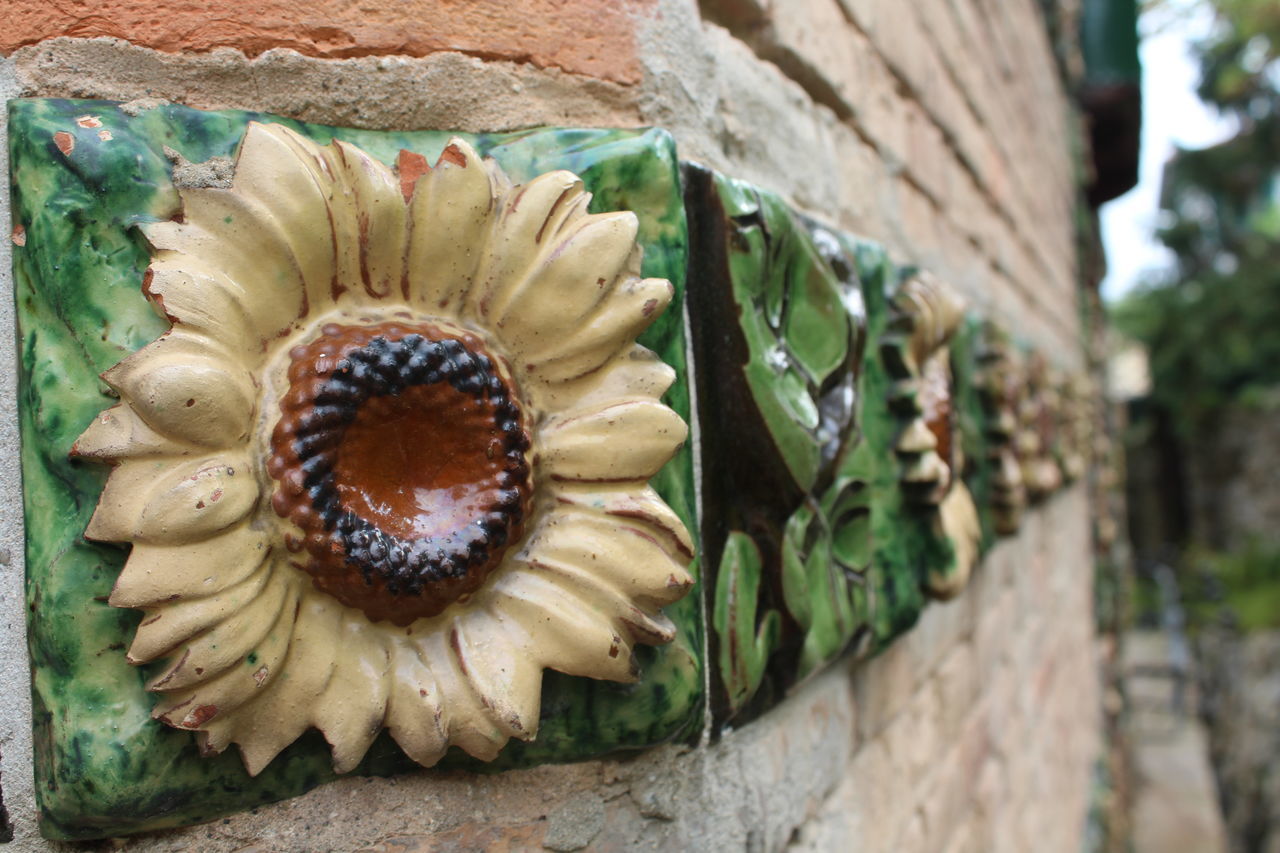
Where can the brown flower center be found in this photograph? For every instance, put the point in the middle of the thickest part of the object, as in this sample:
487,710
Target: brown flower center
935,405
400,455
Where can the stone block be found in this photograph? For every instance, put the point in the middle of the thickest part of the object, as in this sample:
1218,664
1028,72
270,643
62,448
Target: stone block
947,796
882,687
913,739
957,685
913,837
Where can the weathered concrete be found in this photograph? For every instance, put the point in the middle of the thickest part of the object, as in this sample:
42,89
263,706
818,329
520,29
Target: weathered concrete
443,90
1175,801
16,785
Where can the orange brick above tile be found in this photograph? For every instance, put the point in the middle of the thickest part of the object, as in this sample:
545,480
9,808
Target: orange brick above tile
591,37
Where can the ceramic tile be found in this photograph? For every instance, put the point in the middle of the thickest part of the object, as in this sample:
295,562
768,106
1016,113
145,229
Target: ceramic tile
779,334
85,175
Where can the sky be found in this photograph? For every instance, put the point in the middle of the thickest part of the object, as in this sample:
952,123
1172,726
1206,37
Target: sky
1172,115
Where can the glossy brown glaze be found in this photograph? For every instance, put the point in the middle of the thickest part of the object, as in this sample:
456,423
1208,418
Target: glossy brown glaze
935,406
399,454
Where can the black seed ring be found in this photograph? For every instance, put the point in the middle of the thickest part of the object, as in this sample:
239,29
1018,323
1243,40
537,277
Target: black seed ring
387,368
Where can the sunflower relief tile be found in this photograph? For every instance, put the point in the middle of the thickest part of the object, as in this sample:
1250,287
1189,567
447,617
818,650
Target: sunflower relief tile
991,385
380,436
925,314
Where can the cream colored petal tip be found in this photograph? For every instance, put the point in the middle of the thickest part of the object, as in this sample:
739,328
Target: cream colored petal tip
326,301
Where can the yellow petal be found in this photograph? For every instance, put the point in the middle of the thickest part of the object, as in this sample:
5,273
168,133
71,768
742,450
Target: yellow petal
528,215
958,518
252,640
916,438
165,627
352,709
450,214
626,554
414,706
579,272
189,398
115,518
159,573
468,723
563,631
286,707
118,433
195,501
199,703
371,256
174,345
635,372
631,504
630,440
500,656
283,173
190,292
629,620
612,329
227,232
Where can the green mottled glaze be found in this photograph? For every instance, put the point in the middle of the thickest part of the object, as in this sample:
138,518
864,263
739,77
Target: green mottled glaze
778,338
902,539
103,767
746,638
973,417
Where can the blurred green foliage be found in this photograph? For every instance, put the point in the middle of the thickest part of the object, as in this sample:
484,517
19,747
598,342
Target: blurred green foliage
1242,587
1212,325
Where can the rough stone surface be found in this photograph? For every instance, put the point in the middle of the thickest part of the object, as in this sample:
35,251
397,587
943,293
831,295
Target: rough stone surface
595,37
16,785
443,90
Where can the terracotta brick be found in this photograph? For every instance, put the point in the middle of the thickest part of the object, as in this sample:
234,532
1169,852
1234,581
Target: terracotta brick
591,37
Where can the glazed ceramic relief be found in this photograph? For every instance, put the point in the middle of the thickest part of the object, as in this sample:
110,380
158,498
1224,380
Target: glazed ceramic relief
351,451
1037,436
1075,432
925,314
988,367
373,419
779,337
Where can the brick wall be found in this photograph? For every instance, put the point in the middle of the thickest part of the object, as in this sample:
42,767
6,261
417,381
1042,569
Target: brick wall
938,127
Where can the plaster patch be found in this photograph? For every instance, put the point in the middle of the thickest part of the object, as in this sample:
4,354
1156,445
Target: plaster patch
443,90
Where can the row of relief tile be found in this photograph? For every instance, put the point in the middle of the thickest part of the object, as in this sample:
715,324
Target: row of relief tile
867,439
862,439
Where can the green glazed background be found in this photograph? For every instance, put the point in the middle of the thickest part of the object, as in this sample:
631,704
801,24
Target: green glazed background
103,767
